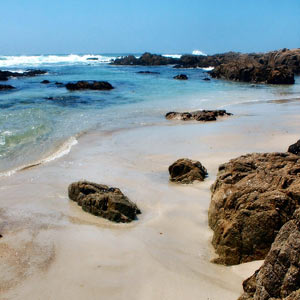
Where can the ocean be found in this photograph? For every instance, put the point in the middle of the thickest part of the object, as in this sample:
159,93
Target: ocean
40,122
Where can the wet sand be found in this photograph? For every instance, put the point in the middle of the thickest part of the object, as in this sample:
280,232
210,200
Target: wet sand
51,249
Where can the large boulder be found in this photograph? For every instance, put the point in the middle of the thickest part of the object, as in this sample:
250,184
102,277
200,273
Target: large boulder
252,197
199,115
249,71
185,170
101,200
279,276
295,148
89,85
5,75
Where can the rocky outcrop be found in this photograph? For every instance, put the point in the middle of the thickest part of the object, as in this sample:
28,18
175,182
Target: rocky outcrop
187,171
89,85
6,87
181,77
5,75
45,82
295,148
103,201
252,197
247,71
199,115
279,276
147,59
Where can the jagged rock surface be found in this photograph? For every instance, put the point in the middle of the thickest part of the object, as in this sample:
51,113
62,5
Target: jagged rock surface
185,170
279,276
87,85
252,197
101,200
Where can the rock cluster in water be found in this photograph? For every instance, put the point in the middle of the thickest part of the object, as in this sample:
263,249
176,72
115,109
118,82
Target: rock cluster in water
5,75
275,67
181,77
199,115
89,85
185,170
101,200
252,197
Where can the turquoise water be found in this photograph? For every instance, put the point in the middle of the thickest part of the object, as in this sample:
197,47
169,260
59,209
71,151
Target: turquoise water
36,119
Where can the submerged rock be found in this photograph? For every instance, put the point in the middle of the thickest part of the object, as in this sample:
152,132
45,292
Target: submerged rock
252,197
6,87
199,115
295,148
89,85
185,170
101,200
148,72
279,276
181,77
45,81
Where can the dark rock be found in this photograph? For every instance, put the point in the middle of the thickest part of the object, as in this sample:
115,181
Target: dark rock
250,71
252,197
147,59
279,276
5,75
92,58
1,236
147,72
45,81
206,79
87,85
199,115
295,148
185,170
6,87
181,77
101,200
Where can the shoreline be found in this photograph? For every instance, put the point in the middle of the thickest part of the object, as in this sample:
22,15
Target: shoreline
55,239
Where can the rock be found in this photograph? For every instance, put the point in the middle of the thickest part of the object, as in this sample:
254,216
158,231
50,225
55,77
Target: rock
206,79
101,200
147,59
181,77
45,81
249,71
147,72
5,75
87,85
295,148
6,87
92,58
185,170
279,276
252,197
1,236
199,115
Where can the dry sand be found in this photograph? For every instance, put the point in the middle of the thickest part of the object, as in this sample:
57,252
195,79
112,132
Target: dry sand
51,249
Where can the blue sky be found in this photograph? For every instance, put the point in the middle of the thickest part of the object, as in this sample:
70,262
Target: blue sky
165,26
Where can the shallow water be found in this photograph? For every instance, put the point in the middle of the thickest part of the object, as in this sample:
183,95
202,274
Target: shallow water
38,120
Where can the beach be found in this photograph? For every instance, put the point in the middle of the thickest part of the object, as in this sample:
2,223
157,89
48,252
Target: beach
51,249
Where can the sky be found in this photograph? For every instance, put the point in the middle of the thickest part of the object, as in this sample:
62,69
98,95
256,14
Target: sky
135,26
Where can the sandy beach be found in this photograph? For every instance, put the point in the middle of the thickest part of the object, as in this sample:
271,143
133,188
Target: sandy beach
51,249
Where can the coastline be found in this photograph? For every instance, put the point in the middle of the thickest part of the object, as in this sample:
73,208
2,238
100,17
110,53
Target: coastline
166,253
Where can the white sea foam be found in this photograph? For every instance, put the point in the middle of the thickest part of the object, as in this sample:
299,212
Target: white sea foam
207,69
199,52
9,61
172,55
